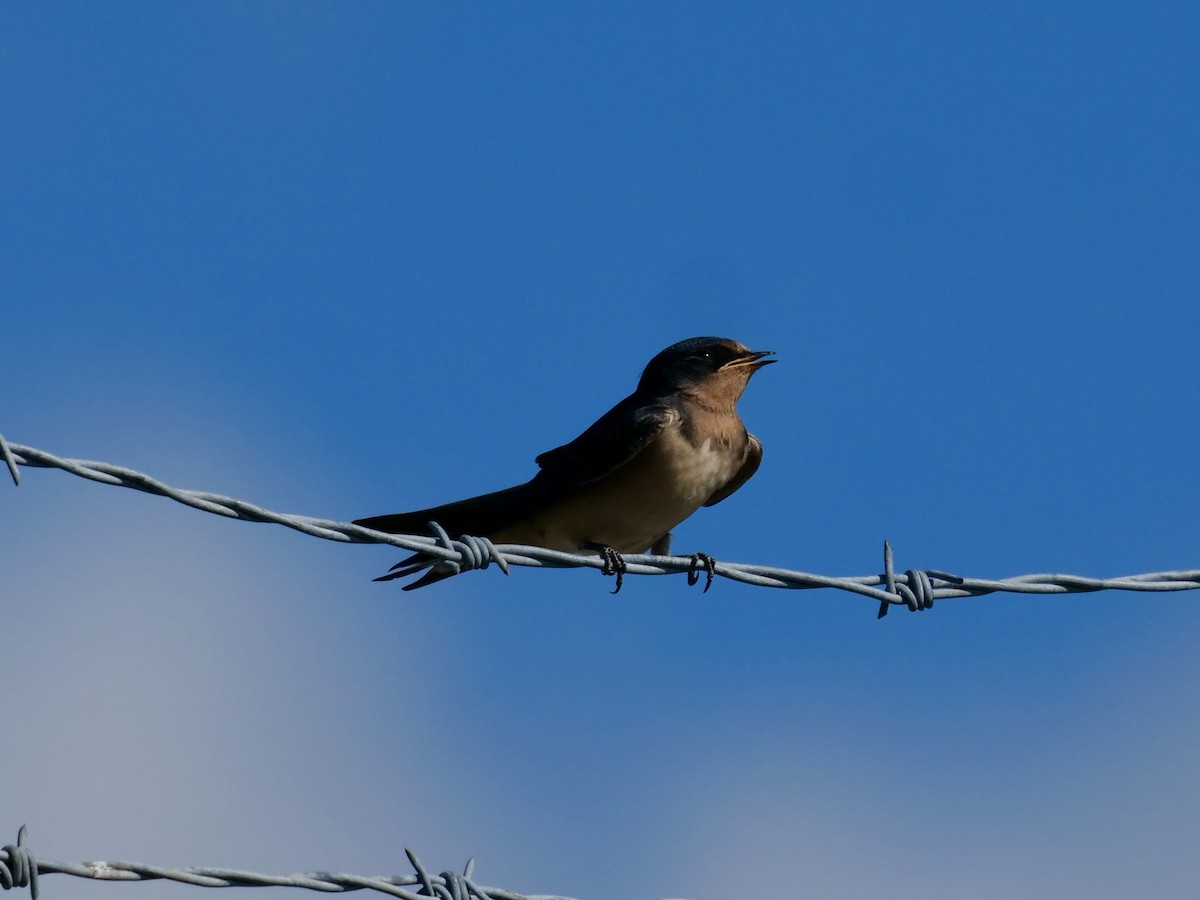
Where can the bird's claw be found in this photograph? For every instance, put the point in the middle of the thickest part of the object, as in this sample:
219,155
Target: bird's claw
612,562
708,564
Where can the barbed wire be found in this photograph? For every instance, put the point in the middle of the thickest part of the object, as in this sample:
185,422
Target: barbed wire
916,589
19,868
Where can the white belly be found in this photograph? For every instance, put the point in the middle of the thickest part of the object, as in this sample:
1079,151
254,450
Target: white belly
637,504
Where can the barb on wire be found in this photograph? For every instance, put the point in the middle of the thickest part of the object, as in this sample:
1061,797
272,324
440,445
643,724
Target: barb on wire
447,885
916,589
9,461
18,867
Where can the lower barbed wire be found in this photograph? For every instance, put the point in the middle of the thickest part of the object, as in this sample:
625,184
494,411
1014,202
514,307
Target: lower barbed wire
19,868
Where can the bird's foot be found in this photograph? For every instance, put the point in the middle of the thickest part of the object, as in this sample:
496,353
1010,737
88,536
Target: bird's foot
708,564
613,562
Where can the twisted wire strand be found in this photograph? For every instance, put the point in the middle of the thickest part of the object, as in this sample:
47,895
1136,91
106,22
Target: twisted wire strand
447,885
915,589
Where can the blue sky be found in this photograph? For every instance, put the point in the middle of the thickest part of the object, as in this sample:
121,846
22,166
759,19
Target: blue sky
350,259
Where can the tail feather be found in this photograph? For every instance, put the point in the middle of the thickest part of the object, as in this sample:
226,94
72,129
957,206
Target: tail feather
411,565
480,516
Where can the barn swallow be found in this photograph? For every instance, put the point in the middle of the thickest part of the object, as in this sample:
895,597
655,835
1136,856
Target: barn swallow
673,445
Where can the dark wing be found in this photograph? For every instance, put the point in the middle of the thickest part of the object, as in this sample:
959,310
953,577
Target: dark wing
749,467
616,437
612,441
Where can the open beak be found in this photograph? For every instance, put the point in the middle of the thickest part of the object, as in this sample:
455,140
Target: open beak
754,361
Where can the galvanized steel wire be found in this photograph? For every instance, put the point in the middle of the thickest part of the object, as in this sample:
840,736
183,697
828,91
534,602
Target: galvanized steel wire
916,589
19,868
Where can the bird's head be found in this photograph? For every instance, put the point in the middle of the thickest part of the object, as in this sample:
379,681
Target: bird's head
712,367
